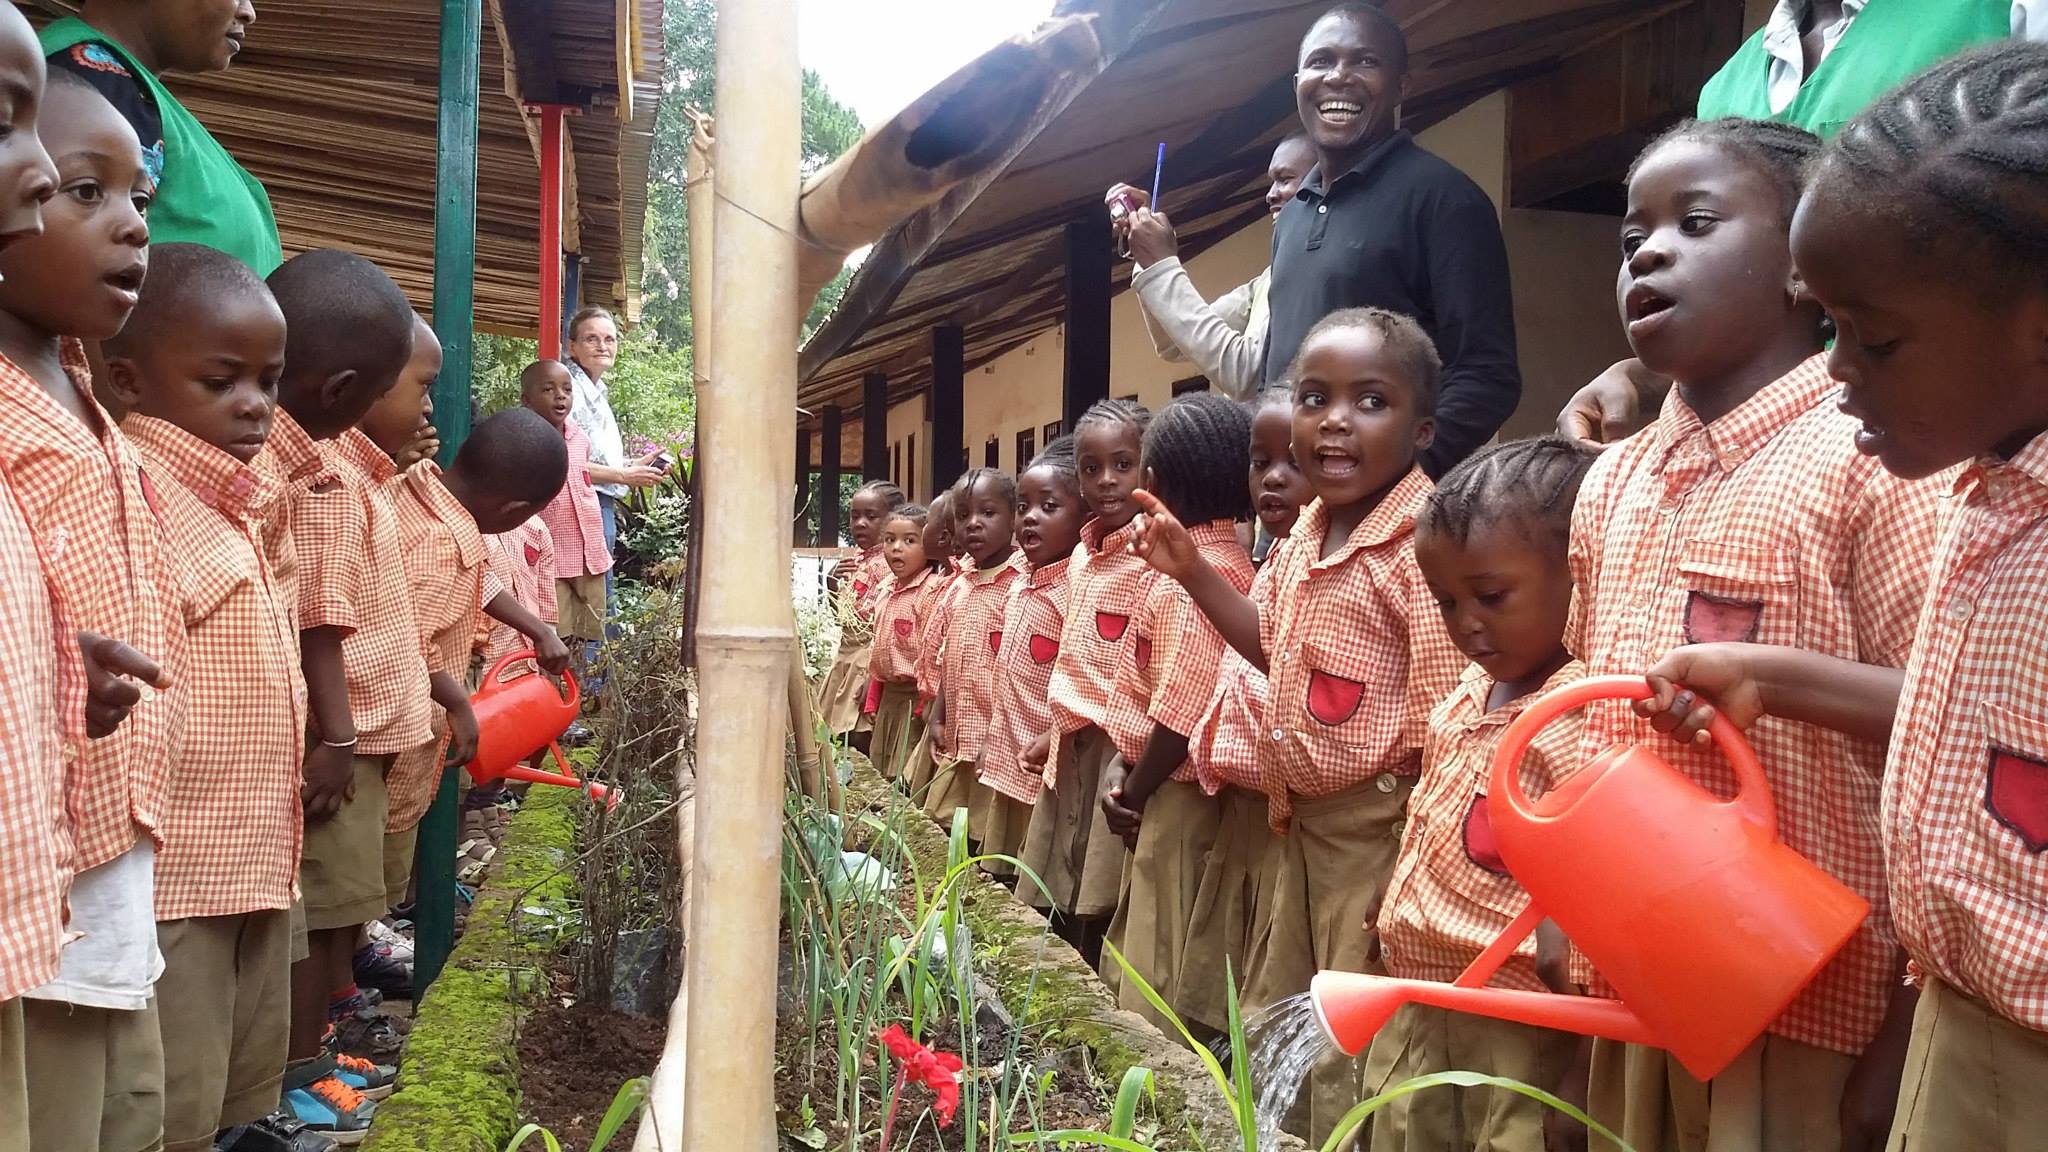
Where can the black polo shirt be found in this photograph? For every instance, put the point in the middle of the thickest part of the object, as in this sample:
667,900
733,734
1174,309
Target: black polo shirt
1405,231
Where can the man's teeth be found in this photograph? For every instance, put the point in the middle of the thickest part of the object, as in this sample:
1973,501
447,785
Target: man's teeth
1338,110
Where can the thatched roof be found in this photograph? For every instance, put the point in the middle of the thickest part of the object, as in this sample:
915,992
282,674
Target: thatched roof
333,105
1213,79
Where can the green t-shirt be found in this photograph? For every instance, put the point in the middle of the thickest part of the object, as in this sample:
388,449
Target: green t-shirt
1889,41
206,197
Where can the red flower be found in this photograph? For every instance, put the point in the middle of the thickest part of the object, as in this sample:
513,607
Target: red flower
939,1071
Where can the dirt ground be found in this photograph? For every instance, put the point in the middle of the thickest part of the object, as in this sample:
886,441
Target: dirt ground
572,1061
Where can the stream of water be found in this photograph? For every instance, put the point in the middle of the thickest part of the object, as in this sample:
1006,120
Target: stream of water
1283,1043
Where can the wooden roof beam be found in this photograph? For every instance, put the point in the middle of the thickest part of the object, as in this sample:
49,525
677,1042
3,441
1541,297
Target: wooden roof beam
527,27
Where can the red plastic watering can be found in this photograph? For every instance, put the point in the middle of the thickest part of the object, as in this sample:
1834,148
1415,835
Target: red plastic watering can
1704,922
519,717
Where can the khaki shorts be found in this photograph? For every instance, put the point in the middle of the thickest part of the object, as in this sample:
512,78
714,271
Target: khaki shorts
95,1077
224,1005
399,848
579,607
1778,1096
1973,1079
13,1079
341,866
301,947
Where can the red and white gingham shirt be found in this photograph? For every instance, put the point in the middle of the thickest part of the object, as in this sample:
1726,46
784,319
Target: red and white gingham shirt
974,638
1225,747
1356,653
1031,642
35,839
1966,785
352,577
1107,587
899,631
232,825
1766,526
945,590
573,516
522,560
448,571
292,460
1166,675
1450,895
89,506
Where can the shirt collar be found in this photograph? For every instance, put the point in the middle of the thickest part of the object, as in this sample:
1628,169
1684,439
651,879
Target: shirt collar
1993,478
1469,699
1214,534
989,575
1095,541
220,481
1052,573
1312,186
361,451
1393,518
39,403
290,454
1781,30
1734,437
424,478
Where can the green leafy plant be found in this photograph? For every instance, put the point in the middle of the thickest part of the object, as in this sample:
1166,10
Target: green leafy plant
626,1104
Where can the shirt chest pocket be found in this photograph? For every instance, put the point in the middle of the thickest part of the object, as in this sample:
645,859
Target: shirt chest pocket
1734,593
1112,615
1467,861
209,581
1335,702
2015,796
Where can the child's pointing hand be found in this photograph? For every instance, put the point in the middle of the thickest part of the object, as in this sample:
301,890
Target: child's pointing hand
1159,539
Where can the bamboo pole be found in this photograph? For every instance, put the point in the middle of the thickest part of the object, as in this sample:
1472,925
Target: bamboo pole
747,414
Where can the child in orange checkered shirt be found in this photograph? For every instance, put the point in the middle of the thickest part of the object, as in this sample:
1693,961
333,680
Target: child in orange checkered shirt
1920,232
1744,513
942,548
1351,641
985,512
1197,451
1491,543
899,612
1069,844
1049,517
857,586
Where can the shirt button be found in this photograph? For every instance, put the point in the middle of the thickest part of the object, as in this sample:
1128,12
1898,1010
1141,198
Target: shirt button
1385,783
1279,735
1322,209
1960,608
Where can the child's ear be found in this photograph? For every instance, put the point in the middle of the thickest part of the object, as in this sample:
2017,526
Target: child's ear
1425,432
124,380
335,389
1149,481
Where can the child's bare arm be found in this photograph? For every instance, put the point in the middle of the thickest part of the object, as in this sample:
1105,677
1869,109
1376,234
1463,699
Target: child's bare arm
449,693
1124,805
1163,542
506,609
330,762
1746,681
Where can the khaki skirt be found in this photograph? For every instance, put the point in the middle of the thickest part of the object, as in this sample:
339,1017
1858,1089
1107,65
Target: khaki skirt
952,786
1069,843
898,729
1421,1040
841,694
1163,878
1232,906
1003,823
1778,1096
915,777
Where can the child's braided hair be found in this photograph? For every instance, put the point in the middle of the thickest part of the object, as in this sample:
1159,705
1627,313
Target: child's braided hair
1958,155
886,489
1199,449
1531,484
1781,153
915,513
1123,413
1005,483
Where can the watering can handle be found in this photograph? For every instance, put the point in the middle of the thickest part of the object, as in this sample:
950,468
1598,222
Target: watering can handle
490,679
1753,795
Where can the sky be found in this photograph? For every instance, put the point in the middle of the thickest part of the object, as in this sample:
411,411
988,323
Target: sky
878,55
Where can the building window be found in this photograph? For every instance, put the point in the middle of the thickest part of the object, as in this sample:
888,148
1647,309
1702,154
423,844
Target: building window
910,463
1027,447
992,453
1191,384
1133,398
1051,432
896,463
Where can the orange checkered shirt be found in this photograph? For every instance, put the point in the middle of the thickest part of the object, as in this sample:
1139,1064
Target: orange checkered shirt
232,825
1450,895
974,639
899,632
292,460
35,839
89,505
945,590
448,570
1966,785
522,560
1356,653
352,577
1167,674
1108,584
1765,526
1225,747
1031,642
573,516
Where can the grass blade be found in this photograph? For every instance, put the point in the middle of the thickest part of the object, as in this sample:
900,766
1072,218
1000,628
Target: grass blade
1081,1138
625,1105
1349,1125
1159,1005
1123,1118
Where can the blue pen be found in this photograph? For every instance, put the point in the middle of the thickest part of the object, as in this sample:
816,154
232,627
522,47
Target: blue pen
1158,166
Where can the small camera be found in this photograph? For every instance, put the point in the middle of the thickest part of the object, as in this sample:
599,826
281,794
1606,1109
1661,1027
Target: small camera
1121,206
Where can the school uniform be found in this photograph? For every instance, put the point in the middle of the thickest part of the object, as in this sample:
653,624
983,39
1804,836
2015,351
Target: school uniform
1164,680
974,639
844,691
1450,897
1068,842
291,461
892,663
1765,526
447,571
35,838
944,589
1357,658
1965,823
228,871
523,560
352,577
94,1056
1031,642
576,526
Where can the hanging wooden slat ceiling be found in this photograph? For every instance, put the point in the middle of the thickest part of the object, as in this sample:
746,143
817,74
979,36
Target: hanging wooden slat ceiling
333,106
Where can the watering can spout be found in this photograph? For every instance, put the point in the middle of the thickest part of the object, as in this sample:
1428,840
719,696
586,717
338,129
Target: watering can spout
519,718
1352,1007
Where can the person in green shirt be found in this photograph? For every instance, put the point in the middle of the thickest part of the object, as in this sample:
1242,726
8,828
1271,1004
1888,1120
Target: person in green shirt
1816,64
120,46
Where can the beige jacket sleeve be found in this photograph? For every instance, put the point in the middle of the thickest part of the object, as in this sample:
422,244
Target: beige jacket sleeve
1224,339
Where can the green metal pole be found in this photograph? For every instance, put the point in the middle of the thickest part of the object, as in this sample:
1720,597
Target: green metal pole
454,323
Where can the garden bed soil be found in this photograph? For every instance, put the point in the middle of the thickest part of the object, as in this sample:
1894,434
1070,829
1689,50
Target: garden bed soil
572,1058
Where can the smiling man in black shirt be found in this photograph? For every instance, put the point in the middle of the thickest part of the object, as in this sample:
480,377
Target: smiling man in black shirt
1396,227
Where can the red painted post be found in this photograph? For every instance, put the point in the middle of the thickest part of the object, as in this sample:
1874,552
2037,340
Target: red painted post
551,123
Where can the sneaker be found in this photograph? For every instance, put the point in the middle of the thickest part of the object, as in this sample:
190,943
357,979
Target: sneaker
278,1132
577,734
320,1101
375,1081
366,1033
378,966
389,936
